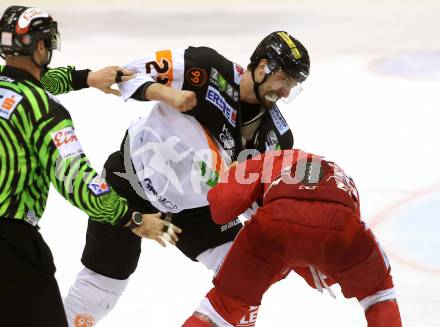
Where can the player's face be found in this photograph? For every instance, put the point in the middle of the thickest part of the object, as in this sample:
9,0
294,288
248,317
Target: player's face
278,85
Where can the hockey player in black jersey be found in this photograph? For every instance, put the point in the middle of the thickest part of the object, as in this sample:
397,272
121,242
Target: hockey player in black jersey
231,109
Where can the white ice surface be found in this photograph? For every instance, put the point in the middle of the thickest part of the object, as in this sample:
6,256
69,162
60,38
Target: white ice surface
382,129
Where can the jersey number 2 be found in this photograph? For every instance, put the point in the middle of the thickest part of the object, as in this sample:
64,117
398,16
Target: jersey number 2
161,70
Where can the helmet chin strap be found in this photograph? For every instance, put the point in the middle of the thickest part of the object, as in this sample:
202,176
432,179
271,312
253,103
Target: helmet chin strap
257,85
45,64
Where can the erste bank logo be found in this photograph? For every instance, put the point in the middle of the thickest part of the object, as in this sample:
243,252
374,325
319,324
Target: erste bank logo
214,96
9,100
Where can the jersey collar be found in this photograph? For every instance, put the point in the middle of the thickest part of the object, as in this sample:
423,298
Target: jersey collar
20,74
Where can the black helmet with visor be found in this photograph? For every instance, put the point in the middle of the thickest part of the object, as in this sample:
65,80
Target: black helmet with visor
22,27
282,52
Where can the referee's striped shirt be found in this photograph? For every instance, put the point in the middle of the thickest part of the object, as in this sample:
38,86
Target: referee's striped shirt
38,146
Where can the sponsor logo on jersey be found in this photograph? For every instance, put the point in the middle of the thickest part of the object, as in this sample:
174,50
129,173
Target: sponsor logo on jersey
8,102
222,84
211,176
229,225
67,143
99,186
149,188
196,76
250,318
227,141
214,76
6,79
232,93
278,119
271,142
214,96
238,72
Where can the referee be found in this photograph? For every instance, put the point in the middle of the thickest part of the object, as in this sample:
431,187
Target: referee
38,146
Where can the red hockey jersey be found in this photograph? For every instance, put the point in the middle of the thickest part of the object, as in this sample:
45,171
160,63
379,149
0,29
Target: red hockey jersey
279,174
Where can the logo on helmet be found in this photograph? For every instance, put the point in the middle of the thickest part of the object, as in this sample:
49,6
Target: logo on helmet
292,46
26,39
25,19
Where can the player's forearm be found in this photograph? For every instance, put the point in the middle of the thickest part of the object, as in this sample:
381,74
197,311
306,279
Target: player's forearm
159,92
238,188
181,100
229,198
220,212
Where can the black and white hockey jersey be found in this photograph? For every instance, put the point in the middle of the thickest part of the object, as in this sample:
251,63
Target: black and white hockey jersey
215,80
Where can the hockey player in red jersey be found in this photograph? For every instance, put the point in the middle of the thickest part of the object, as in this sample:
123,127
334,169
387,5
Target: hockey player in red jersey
309,222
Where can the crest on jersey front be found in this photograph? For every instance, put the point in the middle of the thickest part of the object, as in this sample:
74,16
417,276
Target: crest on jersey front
196,76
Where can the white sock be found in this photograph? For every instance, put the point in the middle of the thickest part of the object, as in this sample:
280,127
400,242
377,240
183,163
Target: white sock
92,297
